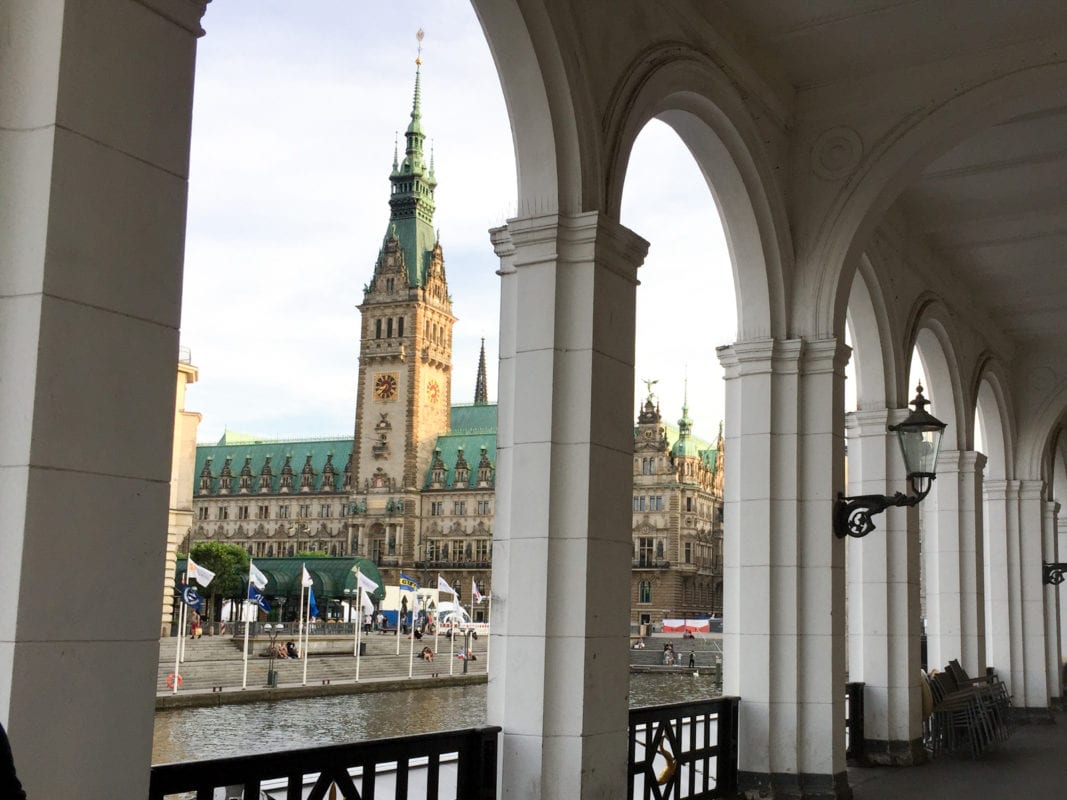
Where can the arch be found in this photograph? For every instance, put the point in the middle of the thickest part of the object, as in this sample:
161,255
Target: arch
684,89
544,123
875,361
929,334
893,164
1036,436
993,413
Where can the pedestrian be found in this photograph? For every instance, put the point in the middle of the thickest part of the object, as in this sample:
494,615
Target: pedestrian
366,623
692,659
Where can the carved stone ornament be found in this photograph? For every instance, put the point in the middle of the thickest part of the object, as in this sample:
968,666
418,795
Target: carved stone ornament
836,153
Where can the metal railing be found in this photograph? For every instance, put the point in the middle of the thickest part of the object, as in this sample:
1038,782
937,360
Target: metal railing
684,750
454,764
854,738
651,563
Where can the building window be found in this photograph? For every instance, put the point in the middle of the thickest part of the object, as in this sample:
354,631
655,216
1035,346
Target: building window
483,507
688,553
224,512
437,508
201,513
481,550
400,326
283,512
389,328
263,512
305,510
689,504
459,507
457,549
644,551
325,510
377,329
242,512
644,592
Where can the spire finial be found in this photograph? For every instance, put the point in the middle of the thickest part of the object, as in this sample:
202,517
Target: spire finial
418,56
481,384
396,151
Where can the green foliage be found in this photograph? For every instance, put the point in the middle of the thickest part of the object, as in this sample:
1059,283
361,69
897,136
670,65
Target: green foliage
311,554
229,563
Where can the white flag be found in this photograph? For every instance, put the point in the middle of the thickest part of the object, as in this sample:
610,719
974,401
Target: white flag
442,586
256,577
475,594
305,576
203,575
369,586
415,609
366,606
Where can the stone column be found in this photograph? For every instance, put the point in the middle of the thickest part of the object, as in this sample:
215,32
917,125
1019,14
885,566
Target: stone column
1053,658
1001,547
955,603
783,568
1061,550
95,110
884,622
1035,694
563,543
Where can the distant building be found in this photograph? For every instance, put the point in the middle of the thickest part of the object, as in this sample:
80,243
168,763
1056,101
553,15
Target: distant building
417,491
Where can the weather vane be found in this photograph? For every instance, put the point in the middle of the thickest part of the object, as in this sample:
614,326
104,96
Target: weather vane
419,36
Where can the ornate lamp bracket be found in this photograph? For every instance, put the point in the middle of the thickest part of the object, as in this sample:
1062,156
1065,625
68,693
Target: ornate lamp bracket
1053,573
852,515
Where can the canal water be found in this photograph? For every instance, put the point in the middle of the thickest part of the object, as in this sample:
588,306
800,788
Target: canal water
221,731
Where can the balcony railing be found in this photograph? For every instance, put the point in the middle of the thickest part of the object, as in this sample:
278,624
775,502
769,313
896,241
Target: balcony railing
447,563
447,764
651,563
684,750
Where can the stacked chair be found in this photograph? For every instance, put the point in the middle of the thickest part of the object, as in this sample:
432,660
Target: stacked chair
970,714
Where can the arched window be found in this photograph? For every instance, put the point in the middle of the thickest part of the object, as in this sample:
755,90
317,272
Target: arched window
389,328
400,326
644,592
377,329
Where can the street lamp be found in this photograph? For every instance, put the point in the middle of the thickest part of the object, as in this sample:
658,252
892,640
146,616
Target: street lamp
272,631
920,440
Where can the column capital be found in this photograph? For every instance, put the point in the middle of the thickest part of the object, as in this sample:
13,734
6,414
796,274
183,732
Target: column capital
574,238
183,13
874,422
1031,490
760,356
1052,507
824,355
966,461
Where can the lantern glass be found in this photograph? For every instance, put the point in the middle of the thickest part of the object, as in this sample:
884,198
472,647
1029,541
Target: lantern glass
920,448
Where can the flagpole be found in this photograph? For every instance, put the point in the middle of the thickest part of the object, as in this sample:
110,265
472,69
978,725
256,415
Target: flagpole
183,617
359,622
411,635
248,591
399,604
452,643
300,615
178,649
488,629
307,631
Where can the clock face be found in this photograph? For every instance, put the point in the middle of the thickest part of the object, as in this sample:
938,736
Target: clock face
385,386
433,391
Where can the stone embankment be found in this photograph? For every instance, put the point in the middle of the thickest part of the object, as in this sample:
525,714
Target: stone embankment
213,667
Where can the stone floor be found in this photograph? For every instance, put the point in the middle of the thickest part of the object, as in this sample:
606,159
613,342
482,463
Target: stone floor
1032,765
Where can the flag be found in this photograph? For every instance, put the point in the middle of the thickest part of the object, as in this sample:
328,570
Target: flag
257,597
305,576
442,586
415,608
476,596
407,584
256,577
313,610
367,607
202,575
368,586
191,597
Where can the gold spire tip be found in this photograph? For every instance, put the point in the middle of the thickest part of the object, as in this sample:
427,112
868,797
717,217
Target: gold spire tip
419,36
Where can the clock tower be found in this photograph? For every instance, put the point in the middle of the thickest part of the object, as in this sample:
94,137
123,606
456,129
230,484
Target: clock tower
405,360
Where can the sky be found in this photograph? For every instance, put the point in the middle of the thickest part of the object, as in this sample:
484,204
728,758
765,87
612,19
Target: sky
295,113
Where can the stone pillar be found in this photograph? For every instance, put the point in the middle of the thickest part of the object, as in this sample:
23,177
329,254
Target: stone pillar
1053,659
883,596
1035,695
783,568
1002,563
563,543
1061,550
95,110
955,602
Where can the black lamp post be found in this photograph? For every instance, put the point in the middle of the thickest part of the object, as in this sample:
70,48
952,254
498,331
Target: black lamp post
272,631
920,441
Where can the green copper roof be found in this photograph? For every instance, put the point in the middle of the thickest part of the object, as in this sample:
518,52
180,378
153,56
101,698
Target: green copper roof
411,204
258,449
473,427
480,418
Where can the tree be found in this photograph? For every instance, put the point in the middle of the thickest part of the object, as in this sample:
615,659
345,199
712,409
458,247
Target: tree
230,565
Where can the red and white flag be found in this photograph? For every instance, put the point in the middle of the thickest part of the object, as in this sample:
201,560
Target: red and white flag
475,594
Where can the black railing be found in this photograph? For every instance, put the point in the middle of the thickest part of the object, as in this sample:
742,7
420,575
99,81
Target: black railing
450,563
854,745
684,750
456,764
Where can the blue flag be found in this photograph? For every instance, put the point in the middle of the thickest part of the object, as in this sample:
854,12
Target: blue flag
407,583
313,609
191,597
257,597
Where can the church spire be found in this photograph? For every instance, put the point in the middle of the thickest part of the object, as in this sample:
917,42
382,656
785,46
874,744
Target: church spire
481,387
411,203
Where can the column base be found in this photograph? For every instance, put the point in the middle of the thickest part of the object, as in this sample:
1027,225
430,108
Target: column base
793,786
897,753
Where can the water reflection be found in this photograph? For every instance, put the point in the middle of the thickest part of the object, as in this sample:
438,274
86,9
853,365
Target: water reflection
220,731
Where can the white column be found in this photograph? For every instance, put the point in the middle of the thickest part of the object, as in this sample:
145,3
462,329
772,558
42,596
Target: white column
95,108
784,569
1035,695
884,622
561,553
1001,504
955,604
1061,550
1053,660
